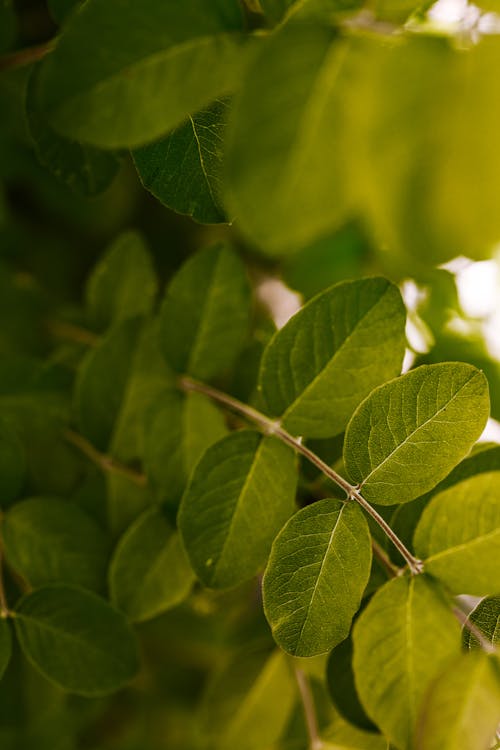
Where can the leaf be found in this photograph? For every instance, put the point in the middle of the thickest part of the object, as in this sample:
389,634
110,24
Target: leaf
462,708
12,462
178,429
409,433
402,640
331,354
486,616
340,682
183,170
5,645
123,284
343,736
292,190
8,25
458,535
205,314
241,493
49,540
84,169
149,572
76,640
315,578
249,701
102,380
190,51
60,9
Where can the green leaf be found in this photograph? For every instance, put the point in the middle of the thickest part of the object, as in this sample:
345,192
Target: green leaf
409,433
331,354
102,380
76,640
151,67
317,572
343,736
402,640
178,429
462,708
458,535
205,314
292,189
149,572
12,462
249,701
486,616
5,645
49,540
60,9
84,169
276,9
340,682
183,170
241,493
8,25
123,284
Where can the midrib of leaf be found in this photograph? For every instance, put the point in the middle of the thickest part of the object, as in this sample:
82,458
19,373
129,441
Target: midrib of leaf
313,109
330,365
204,316
463,545
240,499
202,161
320,573
415,432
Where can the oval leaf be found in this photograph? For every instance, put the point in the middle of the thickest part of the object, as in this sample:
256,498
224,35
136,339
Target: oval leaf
149,572
486,616
409,433
76,640
205,315
241,493
401,642
192,49
183,170
458,535
331,354
462,708
48,540
317,572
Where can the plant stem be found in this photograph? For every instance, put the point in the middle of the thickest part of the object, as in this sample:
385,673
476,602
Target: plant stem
392,570
69,332
462,616
104,462
26,56
273,427
306,697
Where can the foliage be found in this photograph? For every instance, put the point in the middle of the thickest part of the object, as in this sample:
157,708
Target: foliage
217,532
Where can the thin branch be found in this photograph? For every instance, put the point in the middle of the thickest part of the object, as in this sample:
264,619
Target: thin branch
273,427
462,616
62,330
26,56
104,462
307,699
392,570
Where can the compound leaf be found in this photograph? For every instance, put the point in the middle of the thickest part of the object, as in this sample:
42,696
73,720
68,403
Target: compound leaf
76,640
458,535
406,622
149,572
205,314
331,354
317,572
409,433
241,493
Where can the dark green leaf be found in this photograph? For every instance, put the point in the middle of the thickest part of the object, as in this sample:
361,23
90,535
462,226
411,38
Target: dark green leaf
12,463
458,535
190,49
402,640
60,9
76,640
340,681
241,493
205,315
84,169
331,354
462,708
149,572
486,617
183,170
317,572
48,540
408,434
8,25
5,645
123,284
178,429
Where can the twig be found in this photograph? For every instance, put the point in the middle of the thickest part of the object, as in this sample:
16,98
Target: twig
306,697
70,332
384,559
273,427
104,462
26,56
